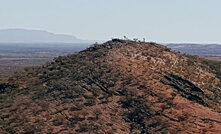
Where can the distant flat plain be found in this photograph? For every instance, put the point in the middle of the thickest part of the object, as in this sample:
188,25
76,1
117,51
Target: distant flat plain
208,51
212,57
16,56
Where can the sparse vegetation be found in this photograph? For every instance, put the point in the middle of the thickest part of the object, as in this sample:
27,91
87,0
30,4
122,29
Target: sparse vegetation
121,86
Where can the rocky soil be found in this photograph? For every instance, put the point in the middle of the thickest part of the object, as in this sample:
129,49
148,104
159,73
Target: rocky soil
120,86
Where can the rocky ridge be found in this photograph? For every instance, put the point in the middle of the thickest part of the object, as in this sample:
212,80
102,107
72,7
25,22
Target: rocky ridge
120,86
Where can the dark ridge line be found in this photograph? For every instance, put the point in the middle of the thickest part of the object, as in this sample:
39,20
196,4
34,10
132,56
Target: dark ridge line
182,86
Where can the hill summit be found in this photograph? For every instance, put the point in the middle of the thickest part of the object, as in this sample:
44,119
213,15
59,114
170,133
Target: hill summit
120,86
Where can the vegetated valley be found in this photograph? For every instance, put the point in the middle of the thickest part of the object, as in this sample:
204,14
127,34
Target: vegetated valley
120,86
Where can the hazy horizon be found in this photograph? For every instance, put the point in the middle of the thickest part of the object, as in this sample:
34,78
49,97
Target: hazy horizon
156,20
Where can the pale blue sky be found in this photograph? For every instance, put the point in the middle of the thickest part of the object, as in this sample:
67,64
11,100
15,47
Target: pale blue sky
196,21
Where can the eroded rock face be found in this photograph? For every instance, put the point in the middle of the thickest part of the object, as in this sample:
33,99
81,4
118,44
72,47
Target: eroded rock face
120,86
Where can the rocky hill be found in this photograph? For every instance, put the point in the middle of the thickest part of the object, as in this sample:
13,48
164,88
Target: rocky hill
120,86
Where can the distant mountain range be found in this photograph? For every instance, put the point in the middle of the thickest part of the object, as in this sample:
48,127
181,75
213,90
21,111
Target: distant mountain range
36,36
197,49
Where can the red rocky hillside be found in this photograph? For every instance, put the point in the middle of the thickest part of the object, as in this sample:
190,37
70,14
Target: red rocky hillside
119,87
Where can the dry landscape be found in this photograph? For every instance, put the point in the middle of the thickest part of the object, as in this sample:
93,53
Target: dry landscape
212,57
120,86
14,57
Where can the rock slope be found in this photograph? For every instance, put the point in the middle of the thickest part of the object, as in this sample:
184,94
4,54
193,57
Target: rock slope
120,86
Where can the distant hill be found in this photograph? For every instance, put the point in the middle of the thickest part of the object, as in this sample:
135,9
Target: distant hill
36,36
119,87
197,49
